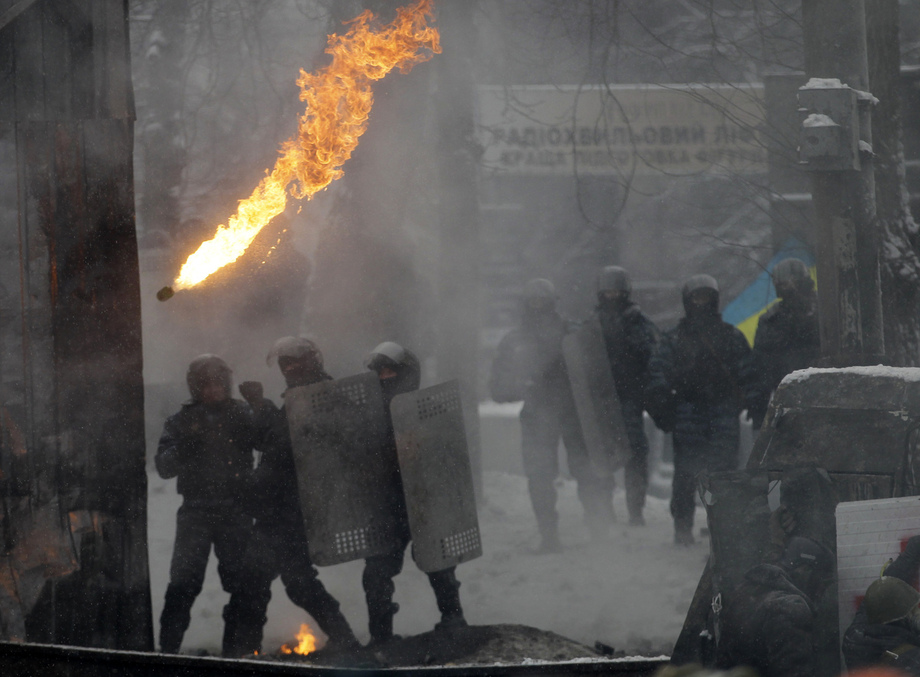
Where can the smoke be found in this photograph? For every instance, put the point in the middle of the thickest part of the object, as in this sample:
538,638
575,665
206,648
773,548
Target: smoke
363,262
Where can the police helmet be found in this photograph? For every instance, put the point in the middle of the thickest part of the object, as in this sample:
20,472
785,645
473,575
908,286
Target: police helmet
890,599
295,347
698,283
614,278
539,288
791,274
207,369
401,360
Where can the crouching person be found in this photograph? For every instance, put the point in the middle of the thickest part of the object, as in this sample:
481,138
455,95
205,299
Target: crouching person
886,628
207,445
769,623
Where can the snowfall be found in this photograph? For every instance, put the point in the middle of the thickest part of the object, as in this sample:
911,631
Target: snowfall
630,592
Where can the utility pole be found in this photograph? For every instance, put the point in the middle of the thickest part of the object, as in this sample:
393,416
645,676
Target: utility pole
836,145
458,215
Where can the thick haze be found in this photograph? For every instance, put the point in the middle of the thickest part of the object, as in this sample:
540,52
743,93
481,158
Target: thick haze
362,262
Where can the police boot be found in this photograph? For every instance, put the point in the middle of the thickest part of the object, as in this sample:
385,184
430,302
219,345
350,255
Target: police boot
334,624
549,543
229,647
548,524
447,593
170,639
242,631
683,532
635,503
176,616
380,622
244,638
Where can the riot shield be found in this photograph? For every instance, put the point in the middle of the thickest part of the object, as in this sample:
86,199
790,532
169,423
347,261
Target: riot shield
338,433
436,476
596,400
869,534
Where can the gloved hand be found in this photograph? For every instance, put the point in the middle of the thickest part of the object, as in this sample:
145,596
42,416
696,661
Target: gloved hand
252,392
782,524
661,407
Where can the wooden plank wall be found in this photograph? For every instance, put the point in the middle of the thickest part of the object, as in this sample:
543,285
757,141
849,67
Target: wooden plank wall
70,332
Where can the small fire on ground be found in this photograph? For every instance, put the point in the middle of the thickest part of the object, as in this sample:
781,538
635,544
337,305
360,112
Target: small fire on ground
306,642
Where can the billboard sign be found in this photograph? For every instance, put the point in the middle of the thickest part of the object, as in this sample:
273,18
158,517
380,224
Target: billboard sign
623,130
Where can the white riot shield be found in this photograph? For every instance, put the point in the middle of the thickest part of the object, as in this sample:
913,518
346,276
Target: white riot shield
596,400
436,476
338,432
869,533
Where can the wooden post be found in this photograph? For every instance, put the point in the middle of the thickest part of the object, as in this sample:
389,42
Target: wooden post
70,311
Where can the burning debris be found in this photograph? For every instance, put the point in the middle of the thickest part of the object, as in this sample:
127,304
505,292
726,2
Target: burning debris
306,642
339,100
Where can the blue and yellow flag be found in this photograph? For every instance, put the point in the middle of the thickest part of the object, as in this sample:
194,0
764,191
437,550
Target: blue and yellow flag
745,311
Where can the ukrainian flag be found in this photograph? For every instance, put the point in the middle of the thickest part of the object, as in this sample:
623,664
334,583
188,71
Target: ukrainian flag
745,311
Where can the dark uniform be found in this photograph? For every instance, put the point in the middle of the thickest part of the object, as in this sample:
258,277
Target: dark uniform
278,546
787,336
869,642
631,339
696,390
400,372
529,366
768,622
208,446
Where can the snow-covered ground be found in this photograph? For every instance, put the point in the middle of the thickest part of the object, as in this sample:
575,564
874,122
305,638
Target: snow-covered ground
631,592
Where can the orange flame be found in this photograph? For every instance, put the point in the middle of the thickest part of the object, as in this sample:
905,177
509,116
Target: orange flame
306,642
339,100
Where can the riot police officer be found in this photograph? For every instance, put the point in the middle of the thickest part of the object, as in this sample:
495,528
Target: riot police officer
787,335
529,366
630,338
399,372
696,390
208,446
278,546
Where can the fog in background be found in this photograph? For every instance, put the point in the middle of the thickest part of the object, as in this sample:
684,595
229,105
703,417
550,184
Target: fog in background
363,261
216,97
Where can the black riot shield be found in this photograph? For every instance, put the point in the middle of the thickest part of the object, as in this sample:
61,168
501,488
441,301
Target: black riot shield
436,476
338,433
596,399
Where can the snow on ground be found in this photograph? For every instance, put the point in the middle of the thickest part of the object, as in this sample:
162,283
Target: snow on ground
631,592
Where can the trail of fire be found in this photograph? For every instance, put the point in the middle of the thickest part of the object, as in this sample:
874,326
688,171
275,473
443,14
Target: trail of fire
339,100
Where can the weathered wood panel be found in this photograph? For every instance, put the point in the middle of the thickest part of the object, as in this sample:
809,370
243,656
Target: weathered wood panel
71,365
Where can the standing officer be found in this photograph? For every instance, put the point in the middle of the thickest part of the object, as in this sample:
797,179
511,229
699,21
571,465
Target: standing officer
279,543
787,335
208,446
630,338
529,366
399,372
696,391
